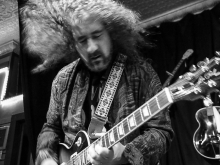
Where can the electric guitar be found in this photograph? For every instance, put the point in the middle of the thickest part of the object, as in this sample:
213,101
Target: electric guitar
206,139
190,86
171,75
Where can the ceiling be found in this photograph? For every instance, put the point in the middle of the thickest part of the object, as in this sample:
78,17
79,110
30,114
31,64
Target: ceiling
153,13
9,25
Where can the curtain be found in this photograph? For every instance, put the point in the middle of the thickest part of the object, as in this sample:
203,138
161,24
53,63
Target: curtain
201,33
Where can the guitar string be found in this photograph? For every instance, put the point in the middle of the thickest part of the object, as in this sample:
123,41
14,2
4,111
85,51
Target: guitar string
77,159
175,85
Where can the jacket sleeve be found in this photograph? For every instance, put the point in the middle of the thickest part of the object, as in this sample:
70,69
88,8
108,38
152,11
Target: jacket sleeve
51,133
156,134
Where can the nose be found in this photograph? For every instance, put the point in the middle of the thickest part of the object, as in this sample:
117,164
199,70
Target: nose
92,46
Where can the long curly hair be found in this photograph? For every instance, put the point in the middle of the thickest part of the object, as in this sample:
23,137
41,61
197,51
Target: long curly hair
48,25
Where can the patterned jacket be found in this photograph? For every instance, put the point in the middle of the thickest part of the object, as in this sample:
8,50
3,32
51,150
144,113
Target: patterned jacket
138,83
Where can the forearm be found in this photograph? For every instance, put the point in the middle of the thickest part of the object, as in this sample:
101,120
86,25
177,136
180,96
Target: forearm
154,141
47,143
46,154
148,148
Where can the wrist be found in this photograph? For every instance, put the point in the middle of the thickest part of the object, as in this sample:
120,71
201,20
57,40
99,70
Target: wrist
123,160
45,155
49,161
120,158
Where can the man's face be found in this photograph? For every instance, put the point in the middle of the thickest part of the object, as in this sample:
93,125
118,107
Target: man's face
93,44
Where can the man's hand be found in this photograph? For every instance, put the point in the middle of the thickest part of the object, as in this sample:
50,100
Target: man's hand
98,155
50,161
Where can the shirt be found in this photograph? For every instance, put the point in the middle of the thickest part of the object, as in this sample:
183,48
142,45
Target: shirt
138,83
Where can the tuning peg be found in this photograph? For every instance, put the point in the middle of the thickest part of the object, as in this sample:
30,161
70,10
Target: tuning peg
217,53
207,75
201,64
207,101
197,90
188,76
211,83
192,68
206,60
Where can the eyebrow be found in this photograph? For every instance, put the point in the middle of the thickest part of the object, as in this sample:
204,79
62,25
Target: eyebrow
94,32
97,31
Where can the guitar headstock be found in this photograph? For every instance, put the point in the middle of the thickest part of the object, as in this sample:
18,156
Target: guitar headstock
187,54
198,83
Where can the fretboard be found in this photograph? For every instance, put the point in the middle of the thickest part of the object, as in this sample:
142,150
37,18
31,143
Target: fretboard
130,123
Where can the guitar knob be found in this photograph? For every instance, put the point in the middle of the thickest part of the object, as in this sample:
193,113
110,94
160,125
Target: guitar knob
207,76
207,101
217,53
192,68
201,64
206,60
211,83
188,76
197,90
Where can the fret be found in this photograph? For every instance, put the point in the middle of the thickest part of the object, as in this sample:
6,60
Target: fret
145,111
158,102
111,137
163,99
138,117
107,140
131,122
103,141
153,106
82,158
98,141
121,130
115,133
72,160
85,156
80,161
125,126
86,152
77,160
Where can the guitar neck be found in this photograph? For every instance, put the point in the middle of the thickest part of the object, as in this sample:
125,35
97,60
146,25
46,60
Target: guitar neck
130,123
185,56
174,71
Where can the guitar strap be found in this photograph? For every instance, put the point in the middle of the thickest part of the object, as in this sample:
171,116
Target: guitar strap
100,116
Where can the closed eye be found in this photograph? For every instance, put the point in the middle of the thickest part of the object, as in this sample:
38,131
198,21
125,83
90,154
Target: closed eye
96,35
81,39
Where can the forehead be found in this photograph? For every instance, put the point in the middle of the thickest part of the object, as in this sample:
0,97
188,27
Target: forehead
87,27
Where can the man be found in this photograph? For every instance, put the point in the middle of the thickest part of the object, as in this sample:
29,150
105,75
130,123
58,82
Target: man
100,32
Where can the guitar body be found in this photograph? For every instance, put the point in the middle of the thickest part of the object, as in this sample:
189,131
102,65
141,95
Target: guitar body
66,153
190,86
206,139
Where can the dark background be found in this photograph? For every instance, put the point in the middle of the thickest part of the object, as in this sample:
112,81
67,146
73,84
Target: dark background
202,34
199,32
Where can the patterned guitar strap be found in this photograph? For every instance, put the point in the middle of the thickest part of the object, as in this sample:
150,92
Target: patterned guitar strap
100,116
